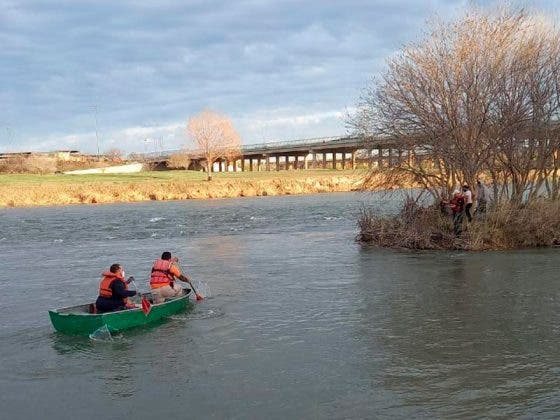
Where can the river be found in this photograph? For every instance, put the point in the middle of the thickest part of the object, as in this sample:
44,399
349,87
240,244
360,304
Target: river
302,322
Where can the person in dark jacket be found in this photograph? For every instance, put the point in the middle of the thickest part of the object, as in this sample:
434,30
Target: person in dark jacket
457,205
113,291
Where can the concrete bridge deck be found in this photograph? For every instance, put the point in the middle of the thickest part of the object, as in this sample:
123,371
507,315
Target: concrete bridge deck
337,152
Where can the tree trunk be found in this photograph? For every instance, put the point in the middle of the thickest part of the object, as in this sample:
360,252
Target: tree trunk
209,169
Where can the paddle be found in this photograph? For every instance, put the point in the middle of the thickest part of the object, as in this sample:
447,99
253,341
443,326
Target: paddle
146,305
198,295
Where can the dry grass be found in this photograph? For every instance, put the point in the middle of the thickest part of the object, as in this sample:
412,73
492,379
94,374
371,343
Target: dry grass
536,224
532,225
58,191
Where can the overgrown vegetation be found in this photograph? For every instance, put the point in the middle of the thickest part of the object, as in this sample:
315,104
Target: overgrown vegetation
507,226
478,97
29,164
42,164
35,190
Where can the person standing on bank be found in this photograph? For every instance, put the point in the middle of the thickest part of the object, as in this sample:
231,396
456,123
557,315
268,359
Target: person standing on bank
467,193
113,291
482,197
457,207
162,280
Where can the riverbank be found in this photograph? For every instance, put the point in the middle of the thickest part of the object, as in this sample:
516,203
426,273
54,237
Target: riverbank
535,224
48,190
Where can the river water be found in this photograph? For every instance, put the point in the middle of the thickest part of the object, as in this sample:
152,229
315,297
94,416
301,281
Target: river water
302,322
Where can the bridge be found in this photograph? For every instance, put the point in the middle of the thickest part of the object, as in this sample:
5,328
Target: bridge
339,152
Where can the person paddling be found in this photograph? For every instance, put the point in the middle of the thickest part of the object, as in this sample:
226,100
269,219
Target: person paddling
113,291
162,280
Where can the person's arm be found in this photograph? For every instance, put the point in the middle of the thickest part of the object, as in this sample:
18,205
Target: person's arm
177,273
119,291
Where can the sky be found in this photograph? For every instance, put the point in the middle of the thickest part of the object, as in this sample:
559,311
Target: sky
129,74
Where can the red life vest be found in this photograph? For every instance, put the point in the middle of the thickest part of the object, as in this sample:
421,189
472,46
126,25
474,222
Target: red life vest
457,203
105,285
161,276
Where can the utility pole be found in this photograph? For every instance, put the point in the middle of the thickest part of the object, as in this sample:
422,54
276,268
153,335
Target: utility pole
96,130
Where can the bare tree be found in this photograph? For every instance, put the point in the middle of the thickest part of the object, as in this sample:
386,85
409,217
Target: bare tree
180,160
214,137
114,154
479,95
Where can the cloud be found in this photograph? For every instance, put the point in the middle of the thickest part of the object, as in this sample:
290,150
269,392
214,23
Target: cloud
152,64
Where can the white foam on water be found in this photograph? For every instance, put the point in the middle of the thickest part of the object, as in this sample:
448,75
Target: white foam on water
101,334
156,219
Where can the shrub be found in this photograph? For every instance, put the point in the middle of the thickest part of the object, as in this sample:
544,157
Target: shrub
505,226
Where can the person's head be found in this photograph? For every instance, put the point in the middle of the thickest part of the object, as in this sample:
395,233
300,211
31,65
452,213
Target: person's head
166,255
115,268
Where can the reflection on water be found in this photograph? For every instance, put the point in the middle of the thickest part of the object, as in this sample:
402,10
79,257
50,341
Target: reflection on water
457,334
302,321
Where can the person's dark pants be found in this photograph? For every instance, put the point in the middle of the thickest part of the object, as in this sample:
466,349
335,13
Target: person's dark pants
109,305
458,223
468,211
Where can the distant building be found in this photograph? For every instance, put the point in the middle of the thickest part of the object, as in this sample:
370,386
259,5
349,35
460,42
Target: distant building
67,155
64,155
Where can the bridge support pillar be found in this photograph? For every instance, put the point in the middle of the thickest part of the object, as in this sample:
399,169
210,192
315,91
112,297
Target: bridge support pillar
353,164
234,165
334,160
324,160
287,158
343,160
410,156
313,160
277,162
251,164
267,162
379,157
227,165
258,164
243,164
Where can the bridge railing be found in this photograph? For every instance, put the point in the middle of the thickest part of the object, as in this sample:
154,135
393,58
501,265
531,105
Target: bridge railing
282,144
263,147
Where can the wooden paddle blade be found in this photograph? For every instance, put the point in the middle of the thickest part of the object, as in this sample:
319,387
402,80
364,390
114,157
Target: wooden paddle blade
146,306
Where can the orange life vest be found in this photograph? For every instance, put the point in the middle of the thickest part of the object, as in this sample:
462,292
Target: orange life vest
161,275
105,285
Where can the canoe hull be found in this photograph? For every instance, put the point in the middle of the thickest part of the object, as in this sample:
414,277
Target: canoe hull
69,322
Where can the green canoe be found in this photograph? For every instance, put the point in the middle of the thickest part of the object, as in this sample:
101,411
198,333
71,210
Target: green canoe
78,320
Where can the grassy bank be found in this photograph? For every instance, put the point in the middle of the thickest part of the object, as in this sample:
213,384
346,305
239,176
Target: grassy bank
505,226
37,190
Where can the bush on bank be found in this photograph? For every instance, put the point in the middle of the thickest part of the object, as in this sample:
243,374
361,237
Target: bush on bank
504,226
